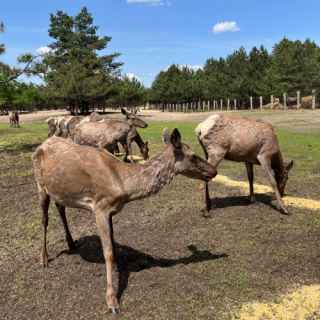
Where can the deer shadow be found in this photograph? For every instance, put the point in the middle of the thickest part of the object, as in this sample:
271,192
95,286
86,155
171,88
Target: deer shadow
241,201
131,260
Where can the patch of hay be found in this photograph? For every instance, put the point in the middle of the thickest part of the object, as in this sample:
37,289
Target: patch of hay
259,188
302,304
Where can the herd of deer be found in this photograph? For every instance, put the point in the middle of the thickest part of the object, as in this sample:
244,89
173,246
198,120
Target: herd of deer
75,167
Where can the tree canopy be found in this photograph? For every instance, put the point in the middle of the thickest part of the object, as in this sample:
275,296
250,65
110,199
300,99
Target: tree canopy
291,66
72,68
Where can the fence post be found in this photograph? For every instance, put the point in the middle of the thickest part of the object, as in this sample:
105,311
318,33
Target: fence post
251,103
221,102
261,103
298,100
235,104
313,99
285,101
272,101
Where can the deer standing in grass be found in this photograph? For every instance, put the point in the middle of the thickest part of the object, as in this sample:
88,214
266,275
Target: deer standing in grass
14,119
107,133
246,140
93,179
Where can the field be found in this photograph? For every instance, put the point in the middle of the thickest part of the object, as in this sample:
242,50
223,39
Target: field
240,262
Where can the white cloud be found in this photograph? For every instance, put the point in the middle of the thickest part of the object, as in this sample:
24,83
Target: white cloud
195,67
150,2
225,26
43,50
132,76
181,66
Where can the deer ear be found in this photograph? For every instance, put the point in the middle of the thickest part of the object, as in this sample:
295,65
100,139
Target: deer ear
175,138
166,136
289,165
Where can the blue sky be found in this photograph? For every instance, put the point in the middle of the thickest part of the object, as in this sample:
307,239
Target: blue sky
152,34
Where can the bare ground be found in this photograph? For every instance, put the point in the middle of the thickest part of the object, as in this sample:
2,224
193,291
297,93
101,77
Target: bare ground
174,263
300,120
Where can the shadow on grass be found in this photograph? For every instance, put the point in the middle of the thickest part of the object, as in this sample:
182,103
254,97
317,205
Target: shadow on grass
242,201
131,260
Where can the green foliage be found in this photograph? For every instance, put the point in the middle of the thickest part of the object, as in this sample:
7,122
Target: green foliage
291,66
128,93
73,70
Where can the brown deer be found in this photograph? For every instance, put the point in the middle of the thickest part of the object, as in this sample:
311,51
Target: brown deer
93,179
246,140
63,126
109,132
14,119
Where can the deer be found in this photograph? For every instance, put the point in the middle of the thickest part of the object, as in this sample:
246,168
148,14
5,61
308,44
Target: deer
251,141
107,133
63,126
88,178
14,119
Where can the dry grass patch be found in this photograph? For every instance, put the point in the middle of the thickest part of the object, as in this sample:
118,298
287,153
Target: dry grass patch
301,304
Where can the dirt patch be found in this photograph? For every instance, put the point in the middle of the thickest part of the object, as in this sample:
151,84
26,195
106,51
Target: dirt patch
173,262
36,116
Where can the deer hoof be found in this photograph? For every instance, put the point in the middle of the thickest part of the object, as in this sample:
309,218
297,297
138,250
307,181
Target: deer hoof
114,310
286,212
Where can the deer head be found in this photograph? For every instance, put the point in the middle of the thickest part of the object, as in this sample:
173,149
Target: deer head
52,125
284,176
187,162
133,119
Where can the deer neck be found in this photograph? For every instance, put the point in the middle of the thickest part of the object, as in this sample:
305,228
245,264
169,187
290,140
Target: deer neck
151,177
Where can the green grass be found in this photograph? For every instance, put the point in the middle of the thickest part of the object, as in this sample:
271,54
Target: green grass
304,148
22,139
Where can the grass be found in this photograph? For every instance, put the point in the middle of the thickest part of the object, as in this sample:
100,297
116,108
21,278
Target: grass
267,255
304,148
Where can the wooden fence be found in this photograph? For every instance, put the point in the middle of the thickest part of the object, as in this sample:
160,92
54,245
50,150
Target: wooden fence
297,102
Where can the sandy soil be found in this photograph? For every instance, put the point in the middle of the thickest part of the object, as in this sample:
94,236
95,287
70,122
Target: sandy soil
301,120
36,116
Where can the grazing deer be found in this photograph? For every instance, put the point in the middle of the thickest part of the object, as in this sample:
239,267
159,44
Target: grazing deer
93,179
14,119
107,133
63,126
246,140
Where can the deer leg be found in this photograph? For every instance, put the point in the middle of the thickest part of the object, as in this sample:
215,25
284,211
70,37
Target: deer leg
44,203
206,184
126,152
105,229
214,159
116,148
250,173
62,212
129,143
266,165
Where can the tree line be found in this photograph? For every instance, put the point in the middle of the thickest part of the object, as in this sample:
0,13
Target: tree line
74,69
77,73
291,66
